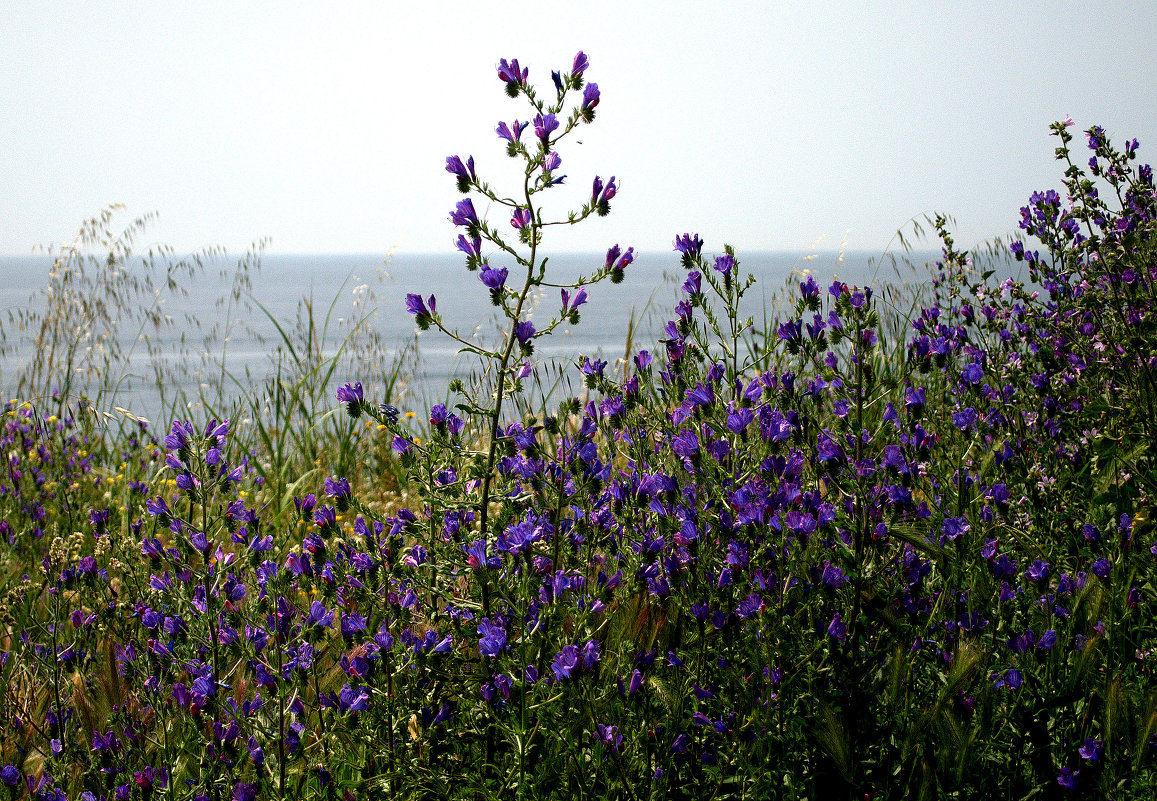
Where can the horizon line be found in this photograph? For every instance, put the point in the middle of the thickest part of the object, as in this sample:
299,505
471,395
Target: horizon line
39,253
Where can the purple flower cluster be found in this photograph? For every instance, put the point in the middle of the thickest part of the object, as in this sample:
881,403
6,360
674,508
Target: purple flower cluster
830,546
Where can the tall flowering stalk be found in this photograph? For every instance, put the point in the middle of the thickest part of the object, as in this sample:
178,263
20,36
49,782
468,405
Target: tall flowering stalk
551,125
492,255
466,457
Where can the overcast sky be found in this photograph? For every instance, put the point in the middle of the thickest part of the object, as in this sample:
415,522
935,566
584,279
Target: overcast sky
325,127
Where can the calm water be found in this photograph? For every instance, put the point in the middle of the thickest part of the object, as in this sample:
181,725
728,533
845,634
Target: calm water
209,332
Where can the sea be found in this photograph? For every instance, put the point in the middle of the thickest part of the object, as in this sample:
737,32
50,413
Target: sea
228,330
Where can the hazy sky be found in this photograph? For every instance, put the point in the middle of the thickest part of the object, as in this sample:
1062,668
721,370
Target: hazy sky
324,127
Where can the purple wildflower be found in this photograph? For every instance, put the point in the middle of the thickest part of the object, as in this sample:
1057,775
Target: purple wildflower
837,629
1013,679
477,558
592,653
415,305
749,606
965,418
565,662
1091,749
579,299
690,245
609,736
601,195
351,700
351,396
832,575
1037,571
510,74
511,133
593,368
493,279
200,541
337,487
325,517
351,623
157,507
609,191
471,247
464,213
544,126
178,436
590,100
463,172
955,527
319,615
624,261
809,289
493,641
524,331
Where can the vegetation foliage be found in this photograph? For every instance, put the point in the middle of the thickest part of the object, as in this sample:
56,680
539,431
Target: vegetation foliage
889,545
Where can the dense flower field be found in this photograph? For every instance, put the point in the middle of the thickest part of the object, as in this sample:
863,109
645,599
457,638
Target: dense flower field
875,551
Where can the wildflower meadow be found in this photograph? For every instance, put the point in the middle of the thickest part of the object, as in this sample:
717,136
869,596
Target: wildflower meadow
894,542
